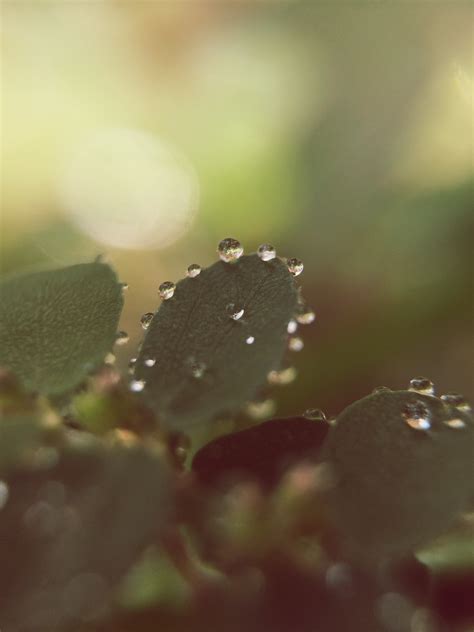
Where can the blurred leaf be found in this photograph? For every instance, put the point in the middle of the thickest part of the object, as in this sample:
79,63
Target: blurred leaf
56,326
203,365
18,435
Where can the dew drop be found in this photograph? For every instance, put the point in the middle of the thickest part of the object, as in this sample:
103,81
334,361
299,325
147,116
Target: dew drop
417,416
266,252
166,290
315,414
284,376
234,311
250,340
122,338
260,409
292,326
422,385
295,344
131,365
305,315
124,286
455,423
295,266
193,270
4,493
109,358
198,369
146,319
457,400
137,386
230,250
149,362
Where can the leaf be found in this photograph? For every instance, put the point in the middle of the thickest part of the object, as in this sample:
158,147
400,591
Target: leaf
399,486
204,366
262,453
56,326
19,434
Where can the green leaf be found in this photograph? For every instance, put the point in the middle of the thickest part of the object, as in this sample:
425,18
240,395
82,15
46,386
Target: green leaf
204,365
56,326
403,471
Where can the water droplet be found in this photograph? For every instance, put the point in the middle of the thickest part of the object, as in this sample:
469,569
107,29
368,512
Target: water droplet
4,493
230,250
292,326
457,400
166,290
194,270
417,416
284,376
131,365
266,252
315,414
146,319
295,344
332,421
422,385
305,315
381,389
260,409
149,362
121,338
455,423
198,369
124,286
250,340
109,358
234,311
295,266
137,386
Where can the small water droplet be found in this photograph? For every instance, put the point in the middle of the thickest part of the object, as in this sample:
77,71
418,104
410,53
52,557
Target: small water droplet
137,386
250,340
131,365
315,414
295,266
122,338
124,286
4,493
284,376
198,369
455,423
417,416
166,290
149,362
194,270
230,250
266,252
381,389
295,344
305,315
422,385
292,326
234,311
146,319
109,358
457,400
260,409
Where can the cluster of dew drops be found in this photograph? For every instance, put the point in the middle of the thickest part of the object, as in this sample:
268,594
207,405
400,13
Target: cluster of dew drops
230,250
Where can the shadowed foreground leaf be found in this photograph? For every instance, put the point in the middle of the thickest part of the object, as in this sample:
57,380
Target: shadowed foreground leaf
203,363
56,326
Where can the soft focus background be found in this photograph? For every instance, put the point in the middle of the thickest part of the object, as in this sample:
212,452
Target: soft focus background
340,132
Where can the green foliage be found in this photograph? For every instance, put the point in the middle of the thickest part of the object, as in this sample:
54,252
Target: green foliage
398,485
203,365
57,326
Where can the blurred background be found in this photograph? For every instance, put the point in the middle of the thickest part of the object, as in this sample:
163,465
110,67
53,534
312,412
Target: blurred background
340,132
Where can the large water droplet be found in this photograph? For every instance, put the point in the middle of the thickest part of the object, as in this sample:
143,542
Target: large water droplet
417,416
166,290
234,311
260,409
137,386
230,250
295,266
315,414
266,252
295,344
250,340
292,326
121,338
149,362
284,376
455,423
457,400
194,270
305,315
422,385
146,319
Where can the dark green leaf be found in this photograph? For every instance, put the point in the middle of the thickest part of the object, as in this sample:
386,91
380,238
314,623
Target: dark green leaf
56,326
203,364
